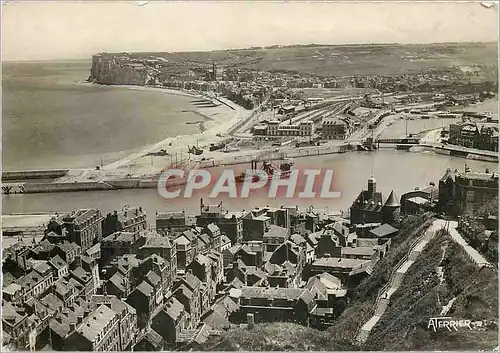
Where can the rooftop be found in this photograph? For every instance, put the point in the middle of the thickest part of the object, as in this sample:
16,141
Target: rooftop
95,323
337,262
383,230
275,293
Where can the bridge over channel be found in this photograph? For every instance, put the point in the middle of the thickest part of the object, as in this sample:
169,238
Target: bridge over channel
400,141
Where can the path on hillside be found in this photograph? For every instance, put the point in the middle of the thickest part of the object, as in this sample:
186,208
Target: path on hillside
473,253
397,276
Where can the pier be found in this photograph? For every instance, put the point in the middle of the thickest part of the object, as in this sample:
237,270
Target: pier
33,174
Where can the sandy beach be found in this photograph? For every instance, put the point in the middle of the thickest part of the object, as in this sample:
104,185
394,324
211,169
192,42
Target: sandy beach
218,119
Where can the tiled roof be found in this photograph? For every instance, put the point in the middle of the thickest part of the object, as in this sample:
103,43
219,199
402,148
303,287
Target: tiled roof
153,278
392,201
11,315
52,302
383,230
117,281
330,281
188,293
174,308
12,289
359,250
120,237
82,275
57,262
66,246
157,242
192,280
225,240
154,338
276,232
145,289
337,262
95,323
275,293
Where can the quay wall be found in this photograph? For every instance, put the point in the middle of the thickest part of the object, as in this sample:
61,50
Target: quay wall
124,183
34,174
469,153
65,187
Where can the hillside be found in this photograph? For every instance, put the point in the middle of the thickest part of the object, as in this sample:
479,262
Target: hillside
274,337
346,60
442,273
363,299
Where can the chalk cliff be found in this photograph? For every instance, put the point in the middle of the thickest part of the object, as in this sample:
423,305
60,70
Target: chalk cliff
120,70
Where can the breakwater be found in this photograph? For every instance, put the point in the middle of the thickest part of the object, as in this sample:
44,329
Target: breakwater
464,152
33,174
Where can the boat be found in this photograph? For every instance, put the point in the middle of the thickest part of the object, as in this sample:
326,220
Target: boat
216,147
195,150
282,171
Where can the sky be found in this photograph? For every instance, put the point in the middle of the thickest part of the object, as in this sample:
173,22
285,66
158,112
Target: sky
43,30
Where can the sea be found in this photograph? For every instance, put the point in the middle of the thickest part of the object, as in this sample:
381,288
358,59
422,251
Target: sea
53,119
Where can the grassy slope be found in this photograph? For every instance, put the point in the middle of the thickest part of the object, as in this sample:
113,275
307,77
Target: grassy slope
274,337
348,324
421,296
348,60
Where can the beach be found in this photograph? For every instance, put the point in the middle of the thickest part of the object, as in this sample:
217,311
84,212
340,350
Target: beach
218,119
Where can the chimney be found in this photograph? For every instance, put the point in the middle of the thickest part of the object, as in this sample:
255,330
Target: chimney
140,209
250,321
372,187
115,213
72,326
79,319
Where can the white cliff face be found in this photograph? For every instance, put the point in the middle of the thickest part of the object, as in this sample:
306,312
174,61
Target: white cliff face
120,71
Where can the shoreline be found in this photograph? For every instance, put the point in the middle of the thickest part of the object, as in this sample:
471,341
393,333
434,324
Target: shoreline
208,129
211,129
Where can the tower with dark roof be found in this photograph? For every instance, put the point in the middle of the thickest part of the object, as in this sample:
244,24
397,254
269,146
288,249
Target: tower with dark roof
391,209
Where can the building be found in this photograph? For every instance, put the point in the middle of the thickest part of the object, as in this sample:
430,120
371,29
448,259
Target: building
229,223
144,299
127,317
461,193
15,324
117,244
275,128
420,200
170,321
129,219
274,237
173,221
100,331
334,129
472,135
274,304
349,270
369,207
82,227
